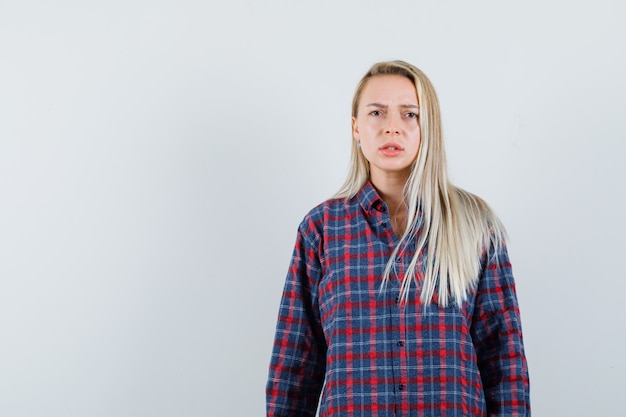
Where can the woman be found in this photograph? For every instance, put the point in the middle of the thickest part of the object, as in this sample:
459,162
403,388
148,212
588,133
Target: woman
400,298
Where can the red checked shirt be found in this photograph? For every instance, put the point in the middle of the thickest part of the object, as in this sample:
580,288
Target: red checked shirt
367,354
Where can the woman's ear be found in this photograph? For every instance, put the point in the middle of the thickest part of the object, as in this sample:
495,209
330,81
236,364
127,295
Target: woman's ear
355,130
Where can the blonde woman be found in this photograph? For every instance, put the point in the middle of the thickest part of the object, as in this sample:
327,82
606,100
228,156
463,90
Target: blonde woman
399,300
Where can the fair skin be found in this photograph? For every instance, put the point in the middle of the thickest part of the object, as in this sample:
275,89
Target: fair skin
387,127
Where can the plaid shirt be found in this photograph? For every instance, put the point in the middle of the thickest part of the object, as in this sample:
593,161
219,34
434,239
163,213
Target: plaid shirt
370,355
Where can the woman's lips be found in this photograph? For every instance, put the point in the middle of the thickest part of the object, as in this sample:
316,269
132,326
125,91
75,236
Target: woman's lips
391,149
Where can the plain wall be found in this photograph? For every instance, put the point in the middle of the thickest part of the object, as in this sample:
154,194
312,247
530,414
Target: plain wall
156,158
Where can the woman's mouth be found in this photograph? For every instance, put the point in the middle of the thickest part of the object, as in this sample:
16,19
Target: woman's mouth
391,149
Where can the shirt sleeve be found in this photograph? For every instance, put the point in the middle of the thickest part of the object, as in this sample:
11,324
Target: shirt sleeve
298,361
497,335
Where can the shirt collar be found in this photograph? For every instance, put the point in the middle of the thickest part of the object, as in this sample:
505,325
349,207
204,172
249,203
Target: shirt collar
369,199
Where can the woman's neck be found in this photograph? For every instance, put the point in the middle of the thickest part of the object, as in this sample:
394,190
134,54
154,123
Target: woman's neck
391,190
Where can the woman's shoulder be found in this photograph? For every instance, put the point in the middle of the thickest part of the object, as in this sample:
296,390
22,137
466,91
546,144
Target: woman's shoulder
472,204
320,219
339,210
478,216
330,209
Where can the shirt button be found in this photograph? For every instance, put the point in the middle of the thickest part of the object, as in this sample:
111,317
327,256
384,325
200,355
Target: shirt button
385,225
400,343
398,300
401,387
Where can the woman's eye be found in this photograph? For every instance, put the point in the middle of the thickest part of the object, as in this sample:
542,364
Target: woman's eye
411,115
376,113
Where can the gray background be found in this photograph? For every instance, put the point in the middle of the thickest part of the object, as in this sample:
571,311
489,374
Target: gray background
156,158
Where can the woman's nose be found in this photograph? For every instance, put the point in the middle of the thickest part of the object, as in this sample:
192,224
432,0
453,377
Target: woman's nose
392,125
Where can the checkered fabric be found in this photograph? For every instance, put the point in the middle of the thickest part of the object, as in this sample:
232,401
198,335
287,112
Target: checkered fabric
342,336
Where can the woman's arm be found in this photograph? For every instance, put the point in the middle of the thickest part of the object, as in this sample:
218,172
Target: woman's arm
497,334
298,360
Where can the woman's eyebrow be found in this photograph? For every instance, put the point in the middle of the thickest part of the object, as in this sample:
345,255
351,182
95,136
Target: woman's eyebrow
384,106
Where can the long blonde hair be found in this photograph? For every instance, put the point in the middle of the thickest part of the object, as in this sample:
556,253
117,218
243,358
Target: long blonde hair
457,227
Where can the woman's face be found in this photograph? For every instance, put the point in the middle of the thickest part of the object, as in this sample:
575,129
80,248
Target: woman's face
387,125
